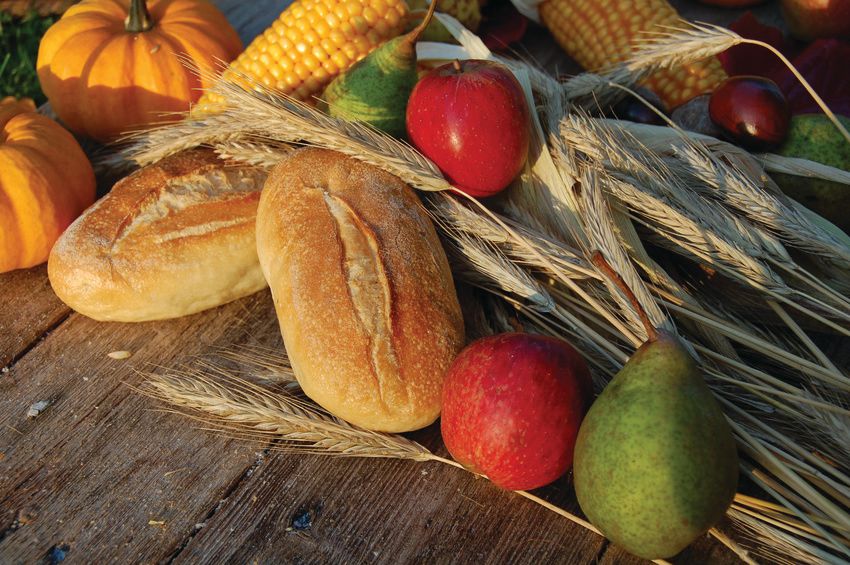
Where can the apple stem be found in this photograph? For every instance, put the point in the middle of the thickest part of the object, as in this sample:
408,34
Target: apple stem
599,261
456,65
413,36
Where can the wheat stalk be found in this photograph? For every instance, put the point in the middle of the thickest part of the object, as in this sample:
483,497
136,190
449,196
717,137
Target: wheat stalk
732,187
236,404
667,47
599,227
630,159
663,48
719,166
735,242
240,409
250,152
150,146
490,265
777,544
282,118
492,271
265,114
451,214
519,262
803,168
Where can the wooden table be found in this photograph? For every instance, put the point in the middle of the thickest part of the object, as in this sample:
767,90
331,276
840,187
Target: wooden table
104,475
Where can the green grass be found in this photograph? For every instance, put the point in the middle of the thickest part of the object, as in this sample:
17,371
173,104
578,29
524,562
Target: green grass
19,39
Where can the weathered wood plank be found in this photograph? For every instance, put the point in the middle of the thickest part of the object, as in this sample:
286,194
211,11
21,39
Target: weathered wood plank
98,470
28,309
319,510
704,551
102,475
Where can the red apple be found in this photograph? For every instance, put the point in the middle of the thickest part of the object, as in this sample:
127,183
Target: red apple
512,406
471,118
810,19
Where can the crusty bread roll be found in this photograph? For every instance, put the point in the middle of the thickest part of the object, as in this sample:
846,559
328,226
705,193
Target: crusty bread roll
363,291
172,239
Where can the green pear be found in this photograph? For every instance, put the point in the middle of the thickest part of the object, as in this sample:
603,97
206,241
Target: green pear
815,137
655,462
375,90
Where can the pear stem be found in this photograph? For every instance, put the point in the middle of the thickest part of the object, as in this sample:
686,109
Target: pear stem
413,36
599,261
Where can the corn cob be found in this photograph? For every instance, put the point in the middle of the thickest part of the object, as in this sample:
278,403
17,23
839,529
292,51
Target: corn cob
311,42
598,33
467,12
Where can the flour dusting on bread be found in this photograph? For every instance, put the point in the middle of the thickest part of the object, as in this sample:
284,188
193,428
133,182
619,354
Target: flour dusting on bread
368,287
174,238
362,288
196,189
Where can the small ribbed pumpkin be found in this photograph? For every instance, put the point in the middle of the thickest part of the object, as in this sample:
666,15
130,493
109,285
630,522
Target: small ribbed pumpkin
109,66
46,181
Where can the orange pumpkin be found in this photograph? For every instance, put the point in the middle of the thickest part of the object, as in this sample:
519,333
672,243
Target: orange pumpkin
46,181
108,66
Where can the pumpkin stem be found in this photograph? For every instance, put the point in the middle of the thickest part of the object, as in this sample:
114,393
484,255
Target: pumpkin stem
139,19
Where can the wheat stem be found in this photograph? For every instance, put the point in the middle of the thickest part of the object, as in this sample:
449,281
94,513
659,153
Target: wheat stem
759,478
736,548
801,487
792,526
604,312
804,82
758,344
560,511
807,341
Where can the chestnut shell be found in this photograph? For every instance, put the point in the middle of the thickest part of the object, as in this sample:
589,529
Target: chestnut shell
751,111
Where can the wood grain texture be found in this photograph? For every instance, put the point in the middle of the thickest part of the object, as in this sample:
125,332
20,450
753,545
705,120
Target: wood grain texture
376,511
704,551
98,470
101,475
28,309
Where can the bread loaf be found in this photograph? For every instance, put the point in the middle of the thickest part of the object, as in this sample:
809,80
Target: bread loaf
362,288
172,239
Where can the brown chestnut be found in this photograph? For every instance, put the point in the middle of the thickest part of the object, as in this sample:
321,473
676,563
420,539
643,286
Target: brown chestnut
751,111
633,110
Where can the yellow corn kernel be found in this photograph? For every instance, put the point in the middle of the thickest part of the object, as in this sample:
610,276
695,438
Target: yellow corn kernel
467,12
600,33
311,42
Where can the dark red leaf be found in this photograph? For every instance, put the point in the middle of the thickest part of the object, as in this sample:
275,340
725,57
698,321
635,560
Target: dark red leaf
502,25
753,59
824,64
